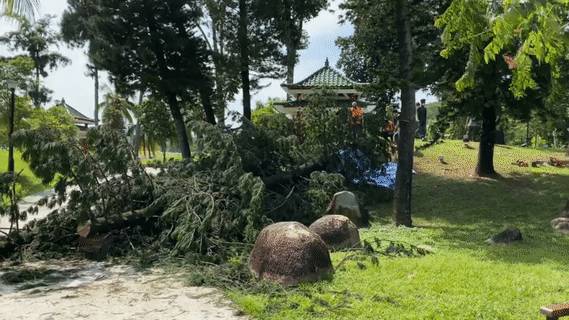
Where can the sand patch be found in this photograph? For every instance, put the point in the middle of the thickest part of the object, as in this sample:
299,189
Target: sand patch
102,292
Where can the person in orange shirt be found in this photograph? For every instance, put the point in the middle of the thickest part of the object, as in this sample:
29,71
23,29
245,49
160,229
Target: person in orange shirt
356,118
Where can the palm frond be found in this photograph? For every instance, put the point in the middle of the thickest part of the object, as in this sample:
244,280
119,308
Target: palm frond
22,8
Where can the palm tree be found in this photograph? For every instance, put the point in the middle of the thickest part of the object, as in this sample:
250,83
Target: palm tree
24,8
116,110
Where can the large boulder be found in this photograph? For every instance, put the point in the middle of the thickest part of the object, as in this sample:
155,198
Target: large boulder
345,203
337,231
561,224
289,253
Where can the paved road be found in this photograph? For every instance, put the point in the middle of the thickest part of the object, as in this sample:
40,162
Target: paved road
25,204
44,211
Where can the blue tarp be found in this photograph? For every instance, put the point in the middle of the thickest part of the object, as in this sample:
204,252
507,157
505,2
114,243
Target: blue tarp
356,166
383,177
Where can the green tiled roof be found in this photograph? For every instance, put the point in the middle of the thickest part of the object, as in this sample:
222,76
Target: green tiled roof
74,112
324,77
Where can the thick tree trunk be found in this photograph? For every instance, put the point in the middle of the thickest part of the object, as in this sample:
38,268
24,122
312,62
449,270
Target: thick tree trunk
170,96
485,166
205,96
404,180
290,61
243,38
180,127
96,76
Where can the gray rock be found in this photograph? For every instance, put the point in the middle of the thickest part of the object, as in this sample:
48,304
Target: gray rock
507,236
345,203
337,231
561,224
289,253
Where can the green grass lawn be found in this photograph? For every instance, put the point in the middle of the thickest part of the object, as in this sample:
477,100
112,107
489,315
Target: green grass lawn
159,156
464,278
29,183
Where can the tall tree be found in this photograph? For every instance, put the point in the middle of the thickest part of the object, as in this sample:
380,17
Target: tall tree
289,17
38,40
519,42
93,72
394,48
156,124
218,28
243,37
258,49
404,180
116,110
150,44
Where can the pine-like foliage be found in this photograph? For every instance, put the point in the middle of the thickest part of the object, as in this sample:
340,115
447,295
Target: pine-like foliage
212,200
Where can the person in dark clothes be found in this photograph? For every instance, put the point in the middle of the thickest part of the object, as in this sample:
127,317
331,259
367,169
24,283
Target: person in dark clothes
422,117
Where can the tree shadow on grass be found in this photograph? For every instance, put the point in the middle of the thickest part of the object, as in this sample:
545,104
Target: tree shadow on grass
464,213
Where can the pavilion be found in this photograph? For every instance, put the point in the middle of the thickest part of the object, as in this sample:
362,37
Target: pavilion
345,91
81,121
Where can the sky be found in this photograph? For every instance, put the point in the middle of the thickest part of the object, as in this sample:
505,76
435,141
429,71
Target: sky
72,84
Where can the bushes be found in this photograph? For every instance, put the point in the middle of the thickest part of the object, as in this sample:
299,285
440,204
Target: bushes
238,182
213,200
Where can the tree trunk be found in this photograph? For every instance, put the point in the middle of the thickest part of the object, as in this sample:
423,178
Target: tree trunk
96,76
37,100
290,61
220,103
243,38
138,134
404,180
11,168
485,166
205,96
144,145
170,96
180,127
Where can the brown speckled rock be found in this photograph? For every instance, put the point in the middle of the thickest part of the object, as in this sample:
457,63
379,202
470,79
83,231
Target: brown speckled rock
289,253
337,231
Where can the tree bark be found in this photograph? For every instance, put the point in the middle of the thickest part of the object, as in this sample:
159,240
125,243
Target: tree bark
404,179
243,39
11,168
290,62
180,127
96,76
485,166
205,96
37,100
138,134
218,74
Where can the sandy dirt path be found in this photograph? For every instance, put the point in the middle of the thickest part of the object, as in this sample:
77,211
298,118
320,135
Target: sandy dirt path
104,293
